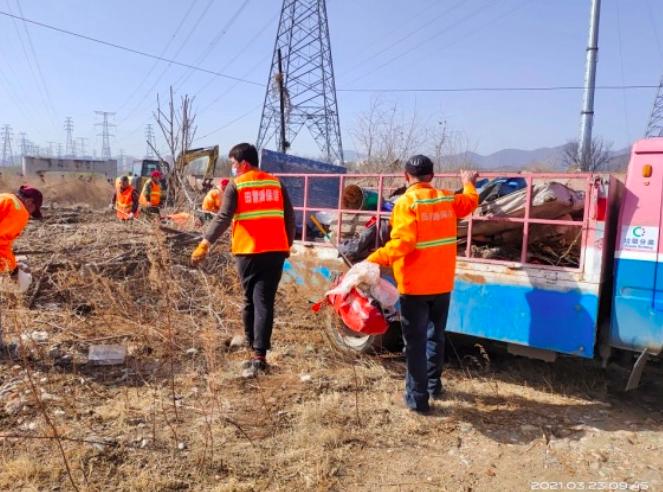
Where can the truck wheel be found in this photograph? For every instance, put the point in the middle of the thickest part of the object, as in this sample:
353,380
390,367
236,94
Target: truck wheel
353,342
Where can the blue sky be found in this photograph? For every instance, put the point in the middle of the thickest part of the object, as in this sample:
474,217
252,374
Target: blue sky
388,44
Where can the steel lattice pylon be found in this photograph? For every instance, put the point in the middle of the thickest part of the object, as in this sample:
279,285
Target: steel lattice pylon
309,91
655,125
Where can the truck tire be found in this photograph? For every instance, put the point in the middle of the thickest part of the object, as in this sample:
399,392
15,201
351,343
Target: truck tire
349,341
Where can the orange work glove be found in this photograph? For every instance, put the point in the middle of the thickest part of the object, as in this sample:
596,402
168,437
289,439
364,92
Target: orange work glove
200,252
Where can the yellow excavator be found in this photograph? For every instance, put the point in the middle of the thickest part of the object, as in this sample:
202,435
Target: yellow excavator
197,165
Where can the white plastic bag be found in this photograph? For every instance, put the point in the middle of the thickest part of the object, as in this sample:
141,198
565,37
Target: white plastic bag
367,275
363,272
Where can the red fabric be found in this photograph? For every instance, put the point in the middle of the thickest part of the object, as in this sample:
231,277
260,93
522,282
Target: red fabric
359,313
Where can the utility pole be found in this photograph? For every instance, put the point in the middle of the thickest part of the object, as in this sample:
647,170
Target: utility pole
7,152
587,113
105,133
301,91
69,137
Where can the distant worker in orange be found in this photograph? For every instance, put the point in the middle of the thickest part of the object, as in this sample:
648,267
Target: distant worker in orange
214,198
151,196
257,207
125,200
15,210
422,252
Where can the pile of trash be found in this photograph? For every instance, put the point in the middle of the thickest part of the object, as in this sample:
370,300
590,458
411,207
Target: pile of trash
557,245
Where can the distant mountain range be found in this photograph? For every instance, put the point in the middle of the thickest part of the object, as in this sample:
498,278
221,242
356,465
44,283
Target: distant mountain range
515,159
544,158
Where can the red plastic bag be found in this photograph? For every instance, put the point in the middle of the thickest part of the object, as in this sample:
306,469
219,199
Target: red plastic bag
359,313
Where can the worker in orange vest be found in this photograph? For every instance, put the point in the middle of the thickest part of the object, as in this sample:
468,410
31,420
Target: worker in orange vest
263,228
151,196
125,200
422,252
214,198
15,210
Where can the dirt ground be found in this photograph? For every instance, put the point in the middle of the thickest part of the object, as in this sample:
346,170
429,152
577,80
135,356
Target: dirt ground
178,416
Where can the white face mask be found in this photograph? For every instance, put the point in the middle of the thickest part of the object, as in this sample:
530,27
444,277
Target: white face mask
233,171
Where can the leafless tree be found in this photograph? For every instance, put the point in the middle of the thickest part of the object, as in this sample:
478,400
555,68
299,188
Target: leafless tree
599,158
387,136
178,129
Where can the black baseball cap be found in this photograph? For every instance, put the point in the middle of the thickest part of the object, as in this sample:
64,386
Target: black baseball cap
419,165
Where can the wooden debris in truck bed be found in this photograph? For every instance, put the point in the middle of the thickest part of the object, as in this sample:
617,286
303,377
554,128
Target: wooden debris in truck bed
550,200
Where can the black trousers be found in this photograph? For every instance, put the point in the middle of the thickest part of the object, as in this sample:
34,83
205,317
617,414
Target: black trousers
423,318
259,275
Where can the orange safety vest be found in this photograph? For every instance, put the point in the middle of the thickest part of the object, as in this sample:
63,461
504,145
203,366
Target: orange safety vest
422,248
124,203
212,201
13,219
155,195
258,223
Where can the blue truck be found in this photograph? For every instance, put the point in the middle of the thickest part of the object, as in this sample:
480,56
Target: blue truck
609,300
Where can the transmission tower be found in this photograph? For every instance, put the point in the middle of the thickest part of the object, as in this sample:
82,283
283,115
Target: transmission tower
301,90
7,152
59,150
149,139
105,133
69,150
51,146
81,146
24,143
655,125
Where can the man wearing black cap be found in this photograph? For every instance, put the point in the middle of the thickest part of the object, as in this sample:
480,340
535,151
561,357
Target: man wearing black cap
422,252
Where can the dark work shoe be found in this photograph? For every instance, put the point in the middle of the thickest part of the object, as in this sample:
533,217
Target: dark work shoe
437,395
420,410
252,367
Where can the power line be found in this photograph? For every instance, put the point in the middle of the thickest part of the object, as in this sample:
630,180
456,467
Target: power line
41,87
163,52
417,30
655,29
231,20
551,88
229,123
445,29
128,49
253,39
37,64
627,126
160,77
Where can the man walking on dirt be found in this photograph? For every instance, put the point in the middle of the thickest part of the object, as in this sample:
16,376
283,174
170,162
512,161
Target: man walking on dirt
263,228
422,251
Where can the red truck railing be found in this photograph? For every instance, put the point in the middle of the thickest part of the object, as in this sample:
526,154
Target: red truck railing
385,182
